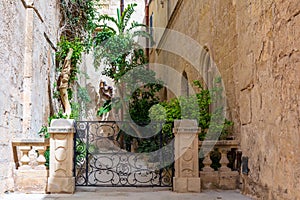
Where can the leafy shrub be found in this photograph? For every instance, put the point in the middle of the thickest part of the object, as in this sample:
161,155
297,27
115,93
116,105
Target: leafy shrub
194,107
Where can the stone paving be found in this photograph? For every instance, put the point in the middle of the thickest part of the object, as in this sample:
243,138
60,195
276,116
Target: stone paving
130,194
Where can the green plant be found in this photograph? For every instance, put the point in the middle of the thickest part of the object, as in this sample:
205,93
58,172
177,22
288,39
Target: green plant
64,46
44,132
83,95
125,64
214,121
76,30
81,151
116,46
105,108
78,18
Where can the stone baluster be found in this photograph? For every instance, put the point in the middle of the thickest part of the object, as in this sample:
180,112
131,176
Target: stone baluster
41,158
228,178
207,162
209,177
25,158
224,160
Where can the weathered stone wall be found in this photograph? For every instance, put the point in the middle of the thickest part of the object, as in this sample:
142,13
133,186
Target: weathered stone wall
26,61
207,30
268,88
255,45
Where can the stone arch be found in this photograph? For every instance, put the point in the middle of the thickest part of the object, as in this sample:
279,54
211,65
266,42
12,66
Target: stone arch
184,84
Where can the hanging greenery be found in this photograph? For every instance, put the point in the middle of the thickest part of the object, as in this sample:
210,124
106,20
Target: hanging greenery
77,26
78,18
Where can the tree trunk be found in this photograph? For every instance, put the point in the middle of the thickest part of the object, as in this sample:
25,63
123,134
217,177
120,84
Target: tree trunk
64,83
126,109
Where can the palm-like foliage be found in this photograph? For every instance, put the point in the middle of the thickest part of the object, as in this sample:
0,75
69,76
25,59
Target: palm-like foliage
116,44
121,23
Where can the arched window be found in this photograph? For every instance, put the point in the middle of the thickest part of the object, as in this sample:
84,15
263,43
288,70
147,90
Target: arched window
205,63
184,85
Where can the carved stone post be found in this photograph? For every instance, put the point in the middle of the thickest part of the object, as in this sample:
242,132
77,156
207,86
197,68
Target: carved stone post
186,157
61,178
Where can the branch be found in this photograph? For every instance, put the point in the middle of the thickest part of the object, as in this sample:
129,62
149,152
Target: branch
34,8
64,83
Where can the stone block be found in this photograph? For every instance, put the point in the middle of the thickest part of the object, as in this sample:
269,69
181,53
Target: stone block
180,185
29,181
194,185
184,185
245,107
229,180
61,178
209,180
61,184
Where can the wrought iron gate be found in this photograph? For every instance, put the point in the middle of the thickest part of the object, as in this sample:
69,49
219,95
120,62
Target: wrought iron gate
106,155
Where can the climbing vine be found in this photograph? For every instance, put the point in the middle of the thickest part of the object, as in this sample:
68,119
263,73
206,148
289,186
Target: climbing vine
78,17
77,26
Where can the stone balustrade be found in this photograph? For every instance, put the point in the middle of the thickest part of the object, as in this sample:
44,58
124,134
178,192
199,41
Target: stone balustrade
226,175
30,174
215,166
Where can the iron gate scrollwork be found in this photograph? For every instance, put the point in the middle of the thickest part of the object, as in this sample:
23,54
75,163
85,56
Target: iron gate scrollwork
112,154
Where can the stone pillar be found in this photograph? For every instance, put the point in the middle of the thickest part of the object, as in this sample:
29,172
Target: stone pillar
61,179
28,70
186,157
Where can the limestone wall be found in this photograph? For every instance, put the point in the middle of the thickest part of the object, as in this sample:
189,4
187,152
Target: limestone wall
206,29
267,79
26,61
255,45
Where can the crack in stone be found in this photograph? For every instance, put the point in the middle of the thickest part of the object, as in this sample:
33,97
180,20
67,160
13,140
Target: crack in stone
294,16
289,54
262,50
